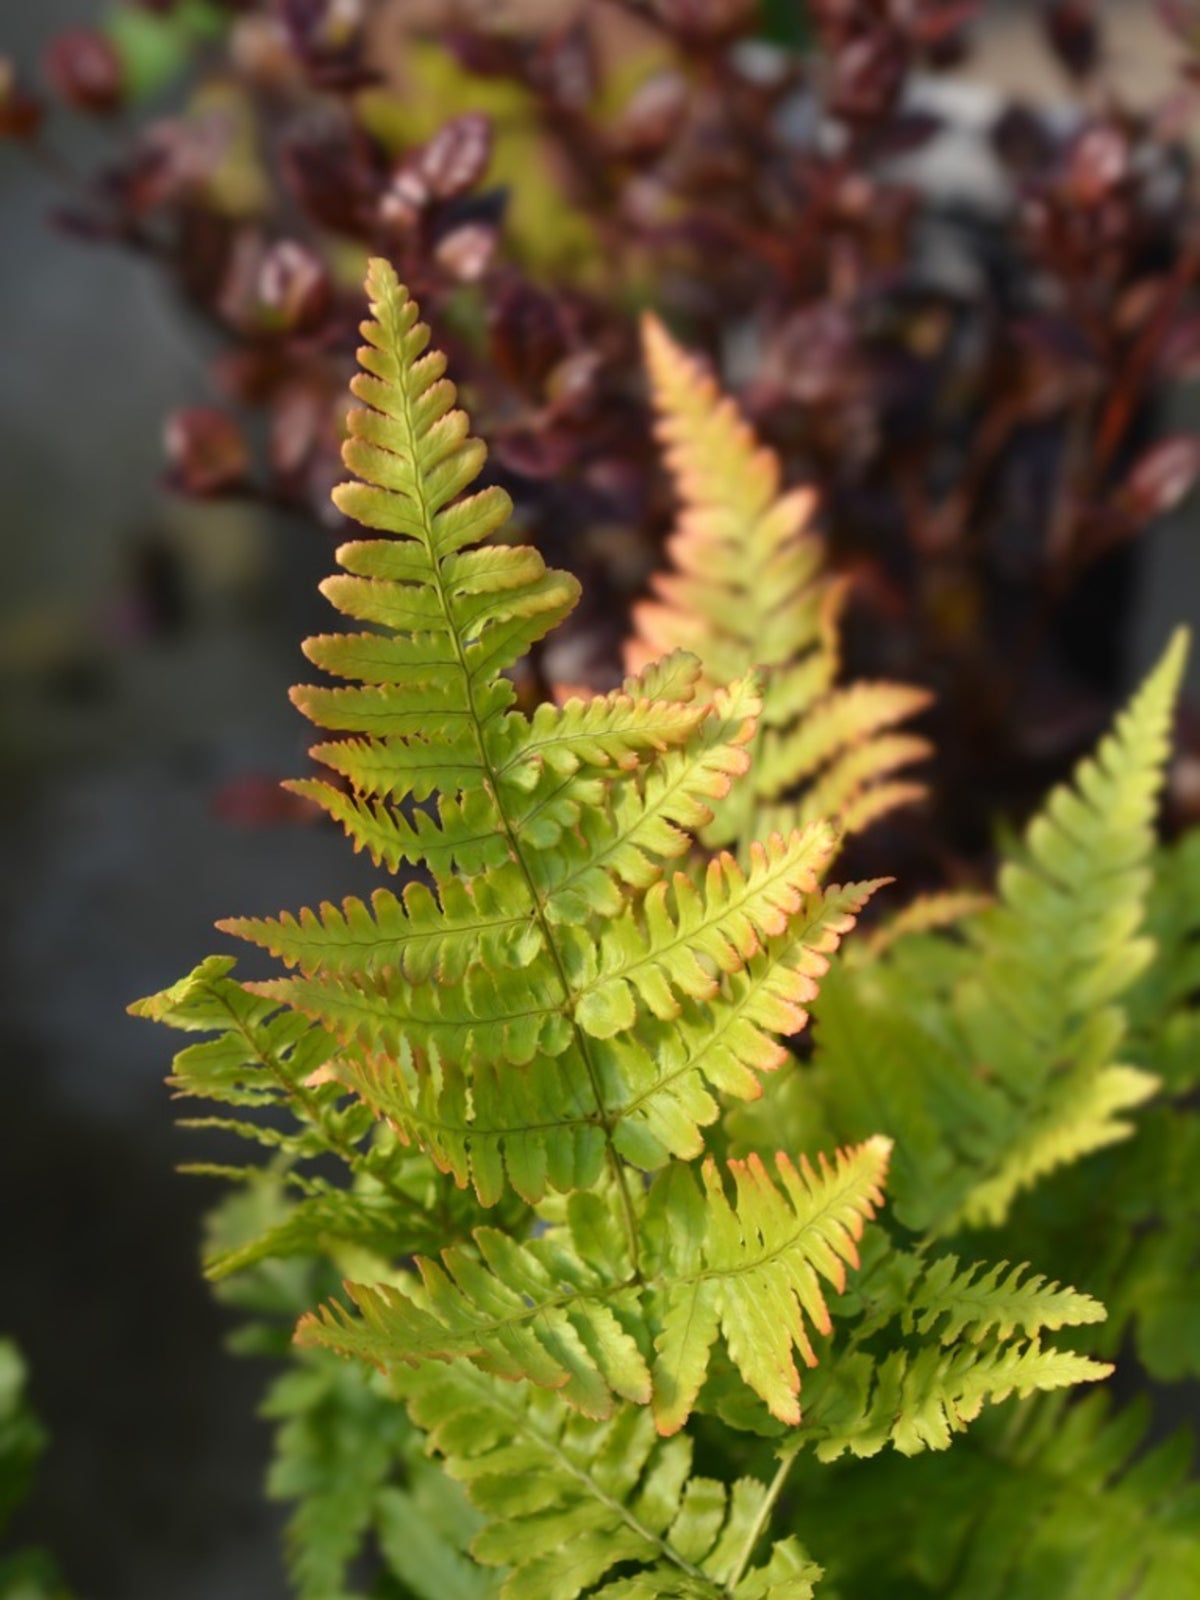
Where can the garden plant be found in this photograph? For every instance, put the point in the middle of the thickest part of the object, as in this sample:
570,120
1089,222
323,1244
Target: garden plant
588,1283
744,1148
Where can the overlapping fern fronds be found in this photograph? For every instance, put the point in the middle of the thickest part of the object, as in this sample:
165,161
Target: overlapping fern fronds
996,1057
749,586
515,1057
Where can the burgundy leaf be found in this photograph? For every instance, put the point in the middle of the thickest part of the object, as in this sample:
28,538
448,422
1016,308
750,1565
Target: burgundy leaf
294,289
206,453
1098,162
20,113
1073,30
457,156
1162,478
84,70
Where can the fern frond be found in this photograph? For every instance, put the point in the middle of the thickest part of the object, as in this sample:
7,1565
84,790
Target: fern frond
337,1444
919,1401
979,1301
1072,1505
1063,943
549,934
568,1500
750,589
749,1270
996,1059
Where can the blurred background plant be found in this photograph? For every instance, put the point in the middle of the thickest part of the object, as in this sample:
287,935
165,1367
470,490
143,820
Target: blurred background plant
946,252
960,314
25,1573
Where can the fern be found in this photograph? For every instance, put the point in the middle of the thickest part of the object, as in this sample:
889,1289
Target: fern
478,1097
996,1060
568,1500
1056,1500
335,1450
749,588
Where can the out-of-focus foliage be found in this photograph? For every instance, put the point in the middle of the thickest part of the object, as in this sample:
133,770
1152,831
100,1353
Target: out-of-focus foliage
25,1573
961,319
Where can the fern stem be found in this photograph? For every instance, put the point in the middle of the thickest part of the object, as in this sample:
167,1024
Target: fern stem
758,1526
616,1165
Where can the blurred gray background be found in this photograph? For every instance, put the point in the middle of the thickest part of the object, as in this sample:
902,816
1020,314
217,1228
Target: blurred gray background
116,859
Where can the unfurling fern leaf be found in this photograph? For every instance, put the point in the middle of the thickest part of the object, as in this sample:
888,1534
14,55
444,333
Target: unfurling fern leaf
515,1057
750,588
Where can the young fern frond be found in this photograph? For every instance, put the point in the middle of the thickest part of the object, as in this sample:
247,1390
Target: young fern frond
750,588
918,1401
1061,946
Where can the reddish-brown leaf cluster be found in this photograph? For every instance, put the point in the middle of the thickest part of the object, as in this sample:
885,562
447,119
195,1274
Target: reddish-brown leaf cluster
961,327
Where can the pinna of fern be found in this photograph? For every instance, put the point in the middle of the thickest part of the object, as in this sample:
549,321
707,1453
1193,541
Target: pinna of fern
525,1048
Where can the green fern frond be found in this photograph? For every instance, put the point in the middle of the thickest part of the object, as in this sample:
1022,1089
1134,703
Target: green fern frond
26,1573
749,1270
1062,944
336,1446
567,1500
750,589
978,1301
996,1059
919,1401
1085,1510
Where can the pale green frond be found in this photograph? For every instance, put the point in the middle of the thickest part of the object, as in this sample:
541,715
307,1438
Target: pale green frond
920,1401
568,1500
997,1301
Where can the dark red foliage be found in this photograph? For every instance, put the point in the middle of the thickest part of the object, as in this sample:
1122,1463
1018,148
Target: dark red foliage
972,369
84,70
206,453
20,111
